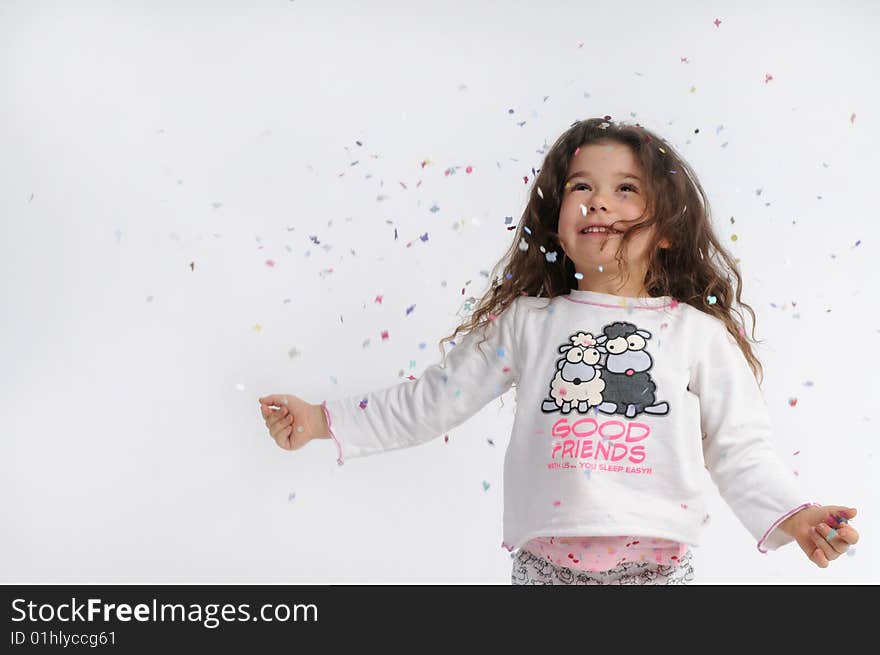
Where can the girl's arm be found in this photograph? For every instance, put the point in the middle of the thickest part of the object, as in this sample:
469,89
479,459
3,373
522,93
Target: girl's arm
414,412
737,445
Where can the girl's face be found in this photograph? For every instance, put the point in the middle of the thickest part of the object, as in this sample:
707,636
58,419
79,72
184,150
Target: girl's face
604,186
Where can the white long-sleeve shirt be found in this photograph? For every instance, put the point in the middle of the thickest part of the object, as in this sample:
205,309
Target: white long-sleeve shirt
620,405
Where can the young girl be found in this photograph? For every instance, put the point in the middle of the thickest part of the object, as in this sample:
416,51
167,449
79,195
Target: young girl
614,318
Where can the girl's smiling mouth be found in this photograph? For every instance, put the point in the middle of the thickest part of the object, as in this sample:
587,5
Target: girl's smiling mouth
592,232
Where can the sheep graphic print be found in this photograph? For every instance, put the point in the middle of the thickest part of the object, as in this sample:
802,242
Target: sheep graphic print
608,374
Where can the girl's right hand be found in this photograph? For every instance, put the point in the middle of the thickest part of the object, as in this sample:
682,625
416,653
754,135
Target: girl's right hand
294,423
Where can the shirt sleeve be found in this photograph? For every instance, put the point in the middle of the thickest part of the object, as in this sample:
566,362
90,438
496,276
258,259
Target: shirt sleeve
751,478
445,396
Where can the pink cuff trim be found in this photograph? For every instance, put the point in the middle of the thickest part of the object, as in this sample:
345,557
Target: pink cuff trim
330,427
780,520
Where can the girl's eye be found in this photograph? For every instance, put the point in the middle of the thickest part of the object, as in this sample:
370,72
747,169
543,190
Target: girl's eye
580,184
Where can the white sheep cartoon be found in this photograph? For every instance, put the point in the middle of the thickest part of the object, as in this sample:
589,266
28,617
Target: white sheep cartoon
578,380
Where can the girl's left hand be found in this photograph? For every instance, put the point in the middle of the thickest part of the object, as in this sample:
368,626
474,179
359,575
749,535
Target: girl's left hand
820,534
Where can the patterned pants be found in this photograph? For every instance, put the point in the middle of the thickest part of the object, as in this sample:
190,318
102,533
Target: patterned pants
531,569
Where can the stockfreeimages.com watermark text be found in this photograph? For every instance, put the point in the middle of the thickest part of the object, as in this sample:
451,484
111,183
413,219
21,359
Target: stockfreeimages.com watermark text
209,615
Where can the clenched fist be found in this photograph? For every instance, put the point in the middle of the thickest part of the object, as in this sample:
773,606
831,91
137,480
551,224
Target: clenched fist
293,422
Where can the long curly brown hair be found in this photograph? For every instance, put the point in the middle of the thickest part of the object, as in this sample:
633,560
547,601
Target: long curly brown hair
693,268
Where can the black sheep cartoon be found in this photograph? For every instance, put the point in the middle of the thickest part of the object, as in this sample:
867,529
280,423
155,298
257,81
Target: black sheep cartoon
628,388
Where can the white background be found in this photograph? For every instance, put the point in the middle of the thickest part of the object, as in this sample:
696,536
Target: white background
140,137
